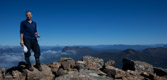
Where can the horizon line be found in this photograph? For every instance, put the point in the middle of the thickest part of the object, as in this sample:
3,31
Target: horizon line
93,44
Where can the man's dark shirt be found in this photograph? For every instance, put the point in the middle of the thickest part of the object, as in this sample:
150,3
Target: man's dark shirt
28,29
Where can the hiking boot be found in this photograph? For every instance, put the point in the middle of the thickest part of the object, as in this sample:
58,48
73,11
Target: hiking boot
29,67
38,66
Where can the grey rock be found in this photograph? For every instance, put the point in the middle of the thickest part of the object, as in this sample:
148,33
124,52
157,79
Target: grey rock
93,63
84,75
137,66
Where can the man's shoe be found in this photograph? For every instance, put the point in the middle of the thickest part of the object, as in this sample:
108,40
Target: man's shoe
38,66
29,67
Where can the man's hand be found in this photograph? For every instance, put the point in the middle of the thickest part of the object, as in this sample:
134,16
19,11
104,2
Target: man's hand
37,35
21,42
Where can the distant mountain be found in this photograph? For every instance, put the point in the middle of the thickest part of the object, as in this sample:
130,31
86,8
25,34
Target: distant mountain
153,55
75,48
123,47
165,46
68,48
132,54
135,55
157,52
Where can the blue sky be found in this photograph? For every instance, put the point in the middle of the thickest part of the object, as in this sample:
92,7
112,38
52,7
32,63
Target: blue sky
87,22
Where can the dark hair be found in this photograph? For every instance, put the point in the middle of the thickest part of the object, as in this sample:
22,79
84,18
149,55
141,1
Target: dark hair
28,11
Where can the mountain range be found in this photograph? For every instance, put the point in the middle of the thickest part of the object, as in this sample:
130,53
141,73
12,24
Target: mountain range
153,54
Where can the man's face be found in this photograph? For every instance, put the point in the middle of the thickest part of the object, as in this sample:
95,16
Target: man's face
28,15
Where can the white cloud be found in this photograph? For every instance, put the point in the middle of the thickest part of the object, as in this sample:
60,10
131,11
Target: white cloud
50,51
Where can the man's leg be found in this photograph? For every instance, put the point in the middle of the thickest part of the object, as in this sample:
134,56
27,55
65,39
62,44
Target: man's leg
36,49
27,43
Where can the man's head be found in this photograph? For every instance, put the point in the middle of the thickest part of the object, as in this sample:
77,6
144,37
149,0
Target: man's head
28,15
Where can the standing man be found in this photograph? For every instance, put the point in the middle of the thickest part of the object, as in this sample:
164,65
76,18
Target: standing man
28,37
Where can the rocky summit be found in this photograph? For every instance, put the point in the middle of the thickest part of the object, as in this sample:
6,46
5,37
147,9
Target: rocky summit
89,68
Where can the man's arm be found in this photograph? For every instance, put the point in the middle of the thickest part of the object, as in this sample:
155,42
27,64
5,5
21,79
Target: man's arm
36,31
21,39
21,34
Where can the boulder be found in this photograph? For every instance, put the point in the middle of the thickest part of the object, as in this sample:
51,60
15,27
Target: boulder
137,66
93,63
61,72
67,63
133,75
21,73
152,76
18,75
114,72
54,67
160,71
9,77
45,74
132,72
149,76
2,73
80,65
14,73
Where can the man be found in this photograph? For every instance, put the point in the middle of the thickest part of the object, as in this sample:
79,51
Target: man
28,37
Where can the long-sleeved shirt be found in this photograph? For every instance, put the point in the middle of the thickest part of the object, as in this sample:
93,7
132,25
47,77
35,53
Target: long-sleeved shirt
28,29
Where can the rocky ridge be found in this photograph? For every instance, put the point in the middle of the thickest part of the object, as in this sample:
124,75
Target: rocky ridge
89,68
